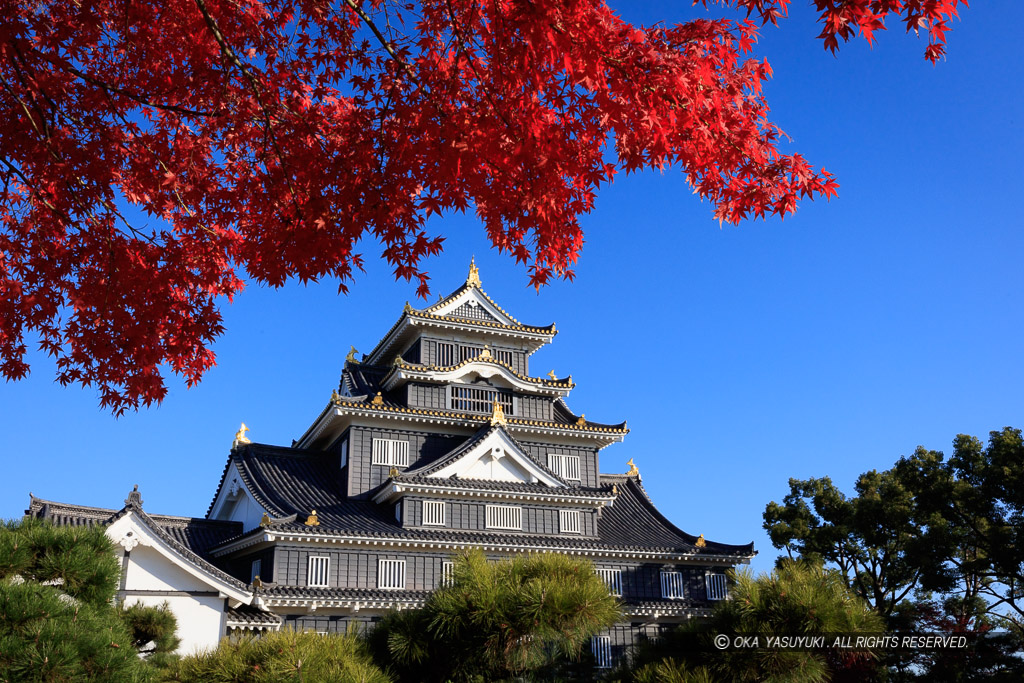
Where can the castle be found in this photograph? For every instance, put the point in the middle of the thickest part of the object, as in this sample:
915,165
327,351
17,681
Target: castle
438,439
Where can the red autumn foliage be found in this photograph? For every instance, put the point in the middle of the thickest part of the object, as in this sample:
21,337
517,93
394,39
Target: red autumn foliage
264,138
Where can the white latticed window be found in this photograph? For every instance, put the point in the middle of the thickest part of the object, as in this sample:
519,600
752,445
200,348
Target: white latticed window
504,356
569,521
672,585
480,400
504,517
447,573
601,646
612,578
433,512
445,354
390,452
391,574
565,466
256,564
318,571
717,587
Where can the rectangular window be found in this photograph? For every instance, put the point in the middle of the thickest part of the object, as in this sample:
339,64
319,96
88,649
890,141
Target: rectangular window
466,352
716,586
612,578
503,356
447,572
569,522
433,513
565,466
398,512
601,646
393,452
480,400
318,571
391,574
344,453
672,585
445,354
255,573
504,517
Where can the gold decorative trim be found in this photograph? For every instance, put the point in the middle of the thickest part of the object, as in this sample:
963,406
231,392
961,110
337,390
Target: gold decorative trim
473,279
497,415
335,397
240,438
583,419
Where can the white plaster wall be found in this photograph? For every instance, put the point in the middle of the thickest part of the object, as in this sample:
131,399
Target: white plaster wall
149,570
201,620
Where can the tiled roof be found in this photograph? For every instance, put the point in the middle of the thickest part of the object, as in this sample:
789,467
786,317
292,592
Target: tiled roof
296,482
192,538
249,616
367,594
506,486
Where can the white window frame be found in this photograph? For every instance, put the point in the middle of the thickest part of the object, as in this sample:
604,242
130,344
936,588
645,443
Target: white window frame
565,466
391,574
447,574
434,513
504,517
717,586
570,522
398,512
673,585
318,567
601,647
612,579
344,454
257,566
390,452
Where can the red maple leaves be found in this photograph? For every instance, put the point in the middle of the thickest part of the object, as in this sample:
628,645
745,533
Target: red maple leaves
153,154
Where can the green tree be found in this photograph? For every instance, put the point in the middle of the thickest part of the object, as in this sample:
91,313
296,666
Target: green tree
796,599
282,656
499,619
57,621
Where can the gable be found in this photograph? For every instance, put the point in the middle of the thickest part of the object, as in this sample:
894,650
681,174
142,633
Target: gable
497,457
473,304
235,503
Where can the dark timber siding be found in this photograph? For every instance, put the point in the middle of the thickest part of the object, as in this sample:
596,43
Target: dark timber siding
534,407
428,352
588,458
363,477
429,396
358,568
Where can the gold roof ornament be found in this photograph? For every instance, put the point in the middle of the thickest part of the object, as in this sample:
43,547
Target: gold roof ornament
377,400
312,520
552,375
351,357
265,520
407,308
701,543
473,278
615,489
393,472
240,438
583,420
633,471
335,397
486,353
397,360
256,582
497,415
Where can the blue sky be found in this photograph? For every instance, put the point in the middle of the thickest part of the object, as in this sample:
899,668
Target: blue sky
830,343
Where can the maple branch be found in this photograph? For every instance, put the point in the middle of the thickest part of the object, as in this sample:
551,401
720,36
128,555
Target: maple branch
124,93
366,19
230,54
